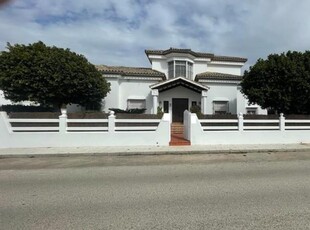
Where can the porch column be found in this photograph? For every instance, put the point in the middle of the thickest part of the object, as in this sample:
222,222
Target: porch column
155,100
204,101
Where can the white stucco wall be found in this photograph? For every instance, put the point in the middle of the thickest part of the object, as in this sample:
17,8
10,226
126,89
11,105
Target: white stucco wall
136,89
222,92
160,65
199,137
199,67
63,138
228,69
123,89
112,99
243,104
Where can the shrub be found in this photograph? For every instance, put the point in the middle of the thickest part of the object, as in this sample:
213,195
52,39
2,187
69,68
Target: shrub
196,109
131,111
160,112
26,108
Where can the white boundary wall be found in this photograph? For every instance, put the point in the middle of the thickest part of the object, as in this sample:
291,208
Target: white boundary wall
63,136
238,134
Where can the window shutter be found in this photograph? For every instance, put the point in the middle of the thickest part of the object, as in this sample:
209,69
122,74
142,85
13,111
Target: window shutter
136,104
220,107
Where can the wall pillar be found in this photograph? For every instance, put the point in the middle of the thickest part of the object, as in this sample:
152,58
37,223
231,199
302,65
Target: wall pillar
111,122
240,122
63,121
282,122
204,101
155,100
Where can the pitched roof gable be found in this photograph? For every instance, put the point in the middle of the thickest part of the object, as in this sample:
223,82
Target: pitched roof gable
179,81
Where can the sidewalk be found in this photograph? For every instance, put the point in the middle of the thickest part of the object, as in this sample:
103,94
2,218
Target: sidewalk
151,150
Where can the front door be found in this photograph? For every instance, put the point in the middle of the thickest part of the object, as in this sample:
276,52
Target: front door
179,105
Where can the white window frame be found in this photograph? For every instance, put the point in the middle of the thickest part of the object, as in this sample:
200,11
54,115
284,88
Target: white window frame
251,110
222,111
189,68
131,103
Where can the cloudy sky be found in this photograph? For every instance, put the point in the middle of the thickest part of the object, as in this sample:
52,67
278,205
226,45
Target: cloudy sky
116,32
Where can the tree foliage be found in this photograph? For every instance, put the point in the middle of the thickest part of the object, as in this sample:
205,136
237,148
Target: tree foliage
281,83
50,76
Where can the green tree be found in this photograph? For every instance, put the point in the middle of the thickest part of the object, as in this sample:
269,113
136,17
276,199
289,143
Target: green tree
281,83
50,76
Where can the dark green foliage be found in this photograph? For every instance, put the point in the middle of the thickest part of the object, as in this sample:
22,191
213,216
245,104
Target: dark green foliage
132,111
25,108
50,76
280,83
160,112
196,109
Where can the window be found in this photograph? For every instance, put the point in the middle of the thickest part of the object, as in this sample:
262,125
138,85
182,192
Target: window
166,106
251,111
136,104
180,69
220,107
171,69
189,70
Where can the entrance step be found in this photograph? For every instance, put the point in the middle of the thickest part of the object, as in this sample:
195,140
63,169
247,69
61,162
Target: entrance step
178,140
177,128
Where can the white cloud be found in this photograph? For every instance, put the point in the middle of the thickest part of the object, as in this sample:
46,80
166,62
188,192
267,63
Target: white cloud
117,32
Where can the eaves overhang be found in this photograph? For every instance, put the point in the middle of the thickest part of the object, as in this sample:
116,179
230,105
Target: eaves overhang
179,81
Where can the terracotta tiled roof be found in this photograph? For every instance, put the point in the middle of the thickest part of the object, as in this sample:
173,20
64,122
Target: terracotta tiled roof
196,54
217,76
229,59
130,71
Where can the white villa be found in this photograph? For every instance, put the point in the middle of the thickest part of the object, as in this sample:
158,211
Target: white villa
177,80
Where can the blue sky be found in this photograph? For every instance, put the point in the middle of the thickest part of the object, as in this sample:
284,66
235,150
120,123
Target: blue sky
116,32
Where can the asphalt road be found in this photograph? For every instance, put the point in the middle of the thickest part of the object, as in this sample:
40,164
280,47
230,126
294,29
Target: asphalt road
254,191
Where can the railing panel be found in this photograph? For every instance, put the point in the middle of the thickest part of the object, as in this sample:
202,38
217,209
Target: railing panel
15,120
87,120
35,129
218,120
261,127
87,128
297,128
260,121
214,128
137,128
137,120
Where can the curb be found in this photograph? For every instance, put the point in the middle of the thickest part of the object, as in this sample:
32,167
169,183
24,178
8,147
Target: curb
153,153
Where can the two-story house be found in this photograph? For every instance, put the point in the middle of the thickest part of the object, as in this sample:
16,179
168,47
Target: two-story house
177,80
